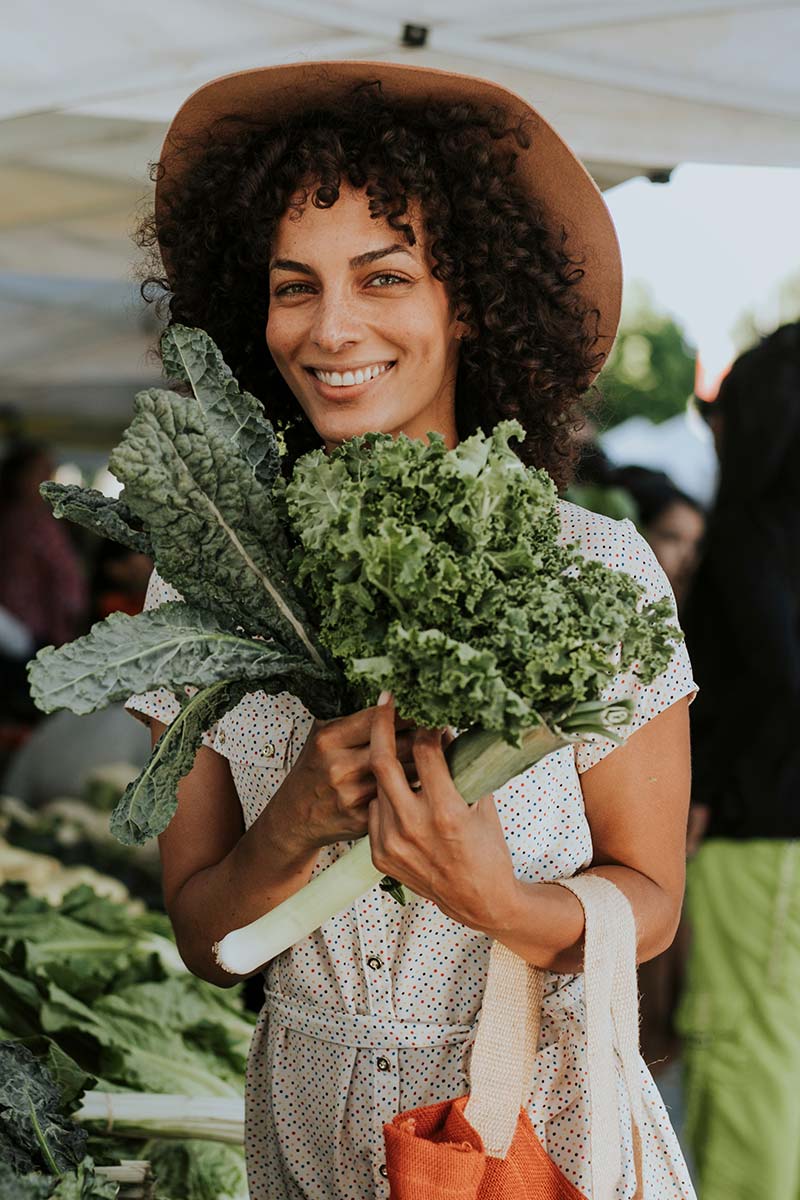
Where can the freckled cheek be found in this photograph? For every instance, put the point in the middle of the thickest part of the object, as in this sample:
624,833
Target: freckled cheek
283,336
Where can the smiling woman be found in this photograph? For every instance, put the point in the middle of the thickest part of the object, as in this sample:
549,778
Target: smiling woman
393,249
377,232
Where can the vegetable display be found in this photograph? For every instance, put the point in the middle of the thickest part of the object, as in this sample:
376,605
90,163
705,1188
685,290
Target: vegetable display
391,563
94,997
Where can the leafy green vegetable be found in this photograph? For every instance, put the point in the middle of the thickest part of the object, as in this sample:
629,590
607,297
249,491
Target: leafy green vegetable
190,1170
390,563
106,517
34,1135
82,989
439,576
215,532
172,646
191,356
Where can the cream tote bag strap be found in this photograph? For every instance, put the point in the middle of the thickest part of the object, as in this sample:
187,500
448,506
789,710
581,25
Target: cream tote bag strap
507,1037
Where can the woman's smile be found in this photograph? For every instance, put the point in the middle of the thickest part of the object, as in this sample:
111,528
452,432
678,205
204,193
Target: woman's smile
336,385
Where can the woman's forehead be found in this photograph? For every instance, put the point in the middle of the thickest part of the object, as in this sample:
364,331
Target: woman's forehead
345,228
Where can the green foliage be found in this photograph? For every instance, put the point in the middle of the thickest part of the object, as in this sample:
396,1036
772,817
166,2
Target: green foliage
439,575
34,1134
190,1170
86,999
650,371
98,513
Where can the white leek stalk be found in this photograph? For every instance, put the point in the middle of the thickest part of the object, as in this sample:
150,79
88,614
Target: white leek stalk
480,762
149,1115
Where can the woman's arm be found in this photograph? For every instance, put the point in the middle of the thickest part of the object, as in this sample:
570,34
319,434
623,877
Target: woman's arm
215,876
636,801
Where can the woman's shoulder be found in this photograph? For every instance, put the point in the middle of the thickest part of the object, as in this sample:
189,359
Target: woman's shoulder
615,543
595,535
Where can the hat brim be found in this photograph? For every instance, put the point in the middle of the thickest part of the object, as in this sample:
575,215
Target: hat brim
548,171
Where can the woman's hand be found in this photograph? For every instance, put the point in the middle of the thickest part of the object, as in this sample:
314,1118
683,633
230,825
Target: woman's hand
429,839
325,796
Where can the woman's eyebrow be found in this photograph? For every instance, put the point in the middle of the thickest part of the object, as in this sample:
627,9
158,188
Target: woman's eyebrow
360,260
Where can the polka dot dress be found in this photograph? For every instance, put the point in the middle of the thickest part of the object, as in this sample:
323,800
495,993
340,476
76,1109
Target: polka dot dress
374,1013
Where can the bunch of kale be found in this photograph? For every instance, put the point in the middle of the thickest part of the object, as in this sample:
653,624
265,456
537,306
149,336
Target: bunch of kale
390,563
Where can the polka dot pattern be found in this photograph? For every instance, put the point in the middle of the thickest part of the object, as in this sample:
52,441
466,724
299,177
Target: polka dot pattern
375,1012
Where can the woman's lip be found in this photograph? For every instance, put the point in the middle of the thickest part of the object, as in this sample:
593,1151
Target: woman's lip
350,391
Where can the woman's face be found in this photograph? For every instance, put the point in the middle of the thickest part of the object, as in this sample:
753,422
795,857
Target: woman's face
348,294
675,537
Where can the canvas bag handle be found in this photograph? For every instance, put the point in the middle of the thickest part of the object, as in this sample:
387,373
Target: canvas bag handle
507,1037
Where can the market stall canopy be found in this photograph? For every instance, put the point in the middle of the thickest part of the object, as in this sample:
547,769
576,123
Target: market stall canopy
635,86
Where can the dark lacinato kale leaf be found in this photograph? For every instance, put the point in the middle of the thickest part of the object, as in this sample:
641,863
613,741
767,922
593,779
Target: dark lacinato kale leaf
34,1133
104,516
215,534
190,356
173,646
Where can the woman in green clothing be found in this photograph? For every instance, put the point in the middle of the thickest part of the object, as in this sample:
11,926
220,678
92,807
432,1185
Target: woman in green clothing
740,1015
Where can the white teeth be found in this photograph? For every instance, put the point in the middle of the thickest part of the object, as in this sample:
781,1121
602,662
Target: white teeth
363,375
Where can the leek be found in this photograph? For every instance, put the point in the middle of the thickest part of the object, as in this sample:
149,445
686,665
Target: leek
154,1115
480,762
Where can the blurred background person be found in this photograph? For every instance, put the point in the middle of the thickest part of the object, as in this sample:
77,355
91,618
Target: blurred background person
739,1015
42,580
672,522
119,580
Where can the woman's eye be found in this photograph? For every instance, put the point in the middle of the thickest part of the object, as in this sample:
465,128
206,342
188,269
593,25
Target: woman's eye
389,275
288,289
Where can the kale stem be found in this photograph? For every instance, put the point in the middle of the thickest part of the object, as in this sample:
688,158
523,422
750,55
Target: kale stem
43,1146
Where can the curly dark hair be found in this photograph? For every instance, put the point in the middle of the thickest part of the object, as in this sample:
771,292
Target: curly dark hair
531,350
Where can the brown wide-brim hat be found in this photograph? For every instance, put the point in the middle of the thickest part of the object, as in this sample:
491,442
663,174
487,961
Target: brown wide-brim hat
548,171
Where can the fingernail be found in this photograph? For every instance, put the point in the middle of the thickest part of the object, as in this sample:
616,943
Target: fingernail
384,697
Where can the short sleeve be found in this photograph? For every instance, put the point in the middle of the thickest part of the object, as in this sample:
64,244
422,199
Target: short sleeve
675,682
162,704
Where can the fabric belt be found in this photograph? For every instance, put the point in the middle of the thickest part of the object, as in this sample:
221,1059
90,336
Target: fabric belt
362,1031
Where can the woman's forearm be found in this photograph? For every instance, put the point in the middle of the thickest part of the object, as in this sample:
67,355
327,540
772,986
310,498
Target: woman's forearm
265,867
545,923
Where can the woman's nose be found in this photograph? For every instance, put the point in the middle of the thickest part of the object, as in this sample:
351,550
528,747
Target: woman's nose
335,324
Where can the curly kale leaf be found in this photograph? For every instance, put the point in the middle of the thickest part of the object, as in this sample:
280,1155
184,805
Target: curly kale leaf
440,575
106,517
191,356
216,534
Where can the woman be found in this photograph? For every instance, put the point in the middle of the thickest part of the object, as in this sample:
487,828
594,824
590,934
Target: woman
413,231
739,1015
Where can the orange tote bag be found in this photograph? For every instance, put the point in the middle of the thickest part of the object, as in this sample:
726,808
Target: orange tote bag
483,1146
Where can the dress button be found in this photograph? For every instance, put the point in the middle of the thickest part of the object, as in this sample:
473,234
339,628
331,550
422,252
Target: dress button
222,737
269,750
374,962
383,1064
383,1170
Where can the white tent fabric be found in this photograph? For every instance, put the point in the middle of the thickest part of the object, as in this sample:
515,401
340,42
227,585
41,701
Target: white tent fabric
87,89
635,86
